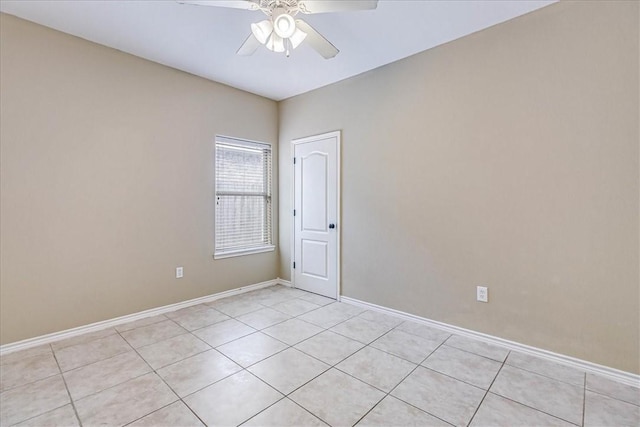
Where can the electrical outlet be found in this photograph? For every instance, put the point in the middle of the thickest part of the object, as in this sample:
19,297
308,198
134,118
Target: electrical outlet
482,294
179,272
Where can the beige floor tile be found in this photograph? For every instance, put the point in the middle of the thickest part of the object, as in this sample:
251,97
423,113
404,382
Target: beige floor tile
547,368
23,354
295,307
361,330
91,352
126,402
223,332
284,413
464,366
197,318
99,376
173,350
601,411
291,291
113,384
82,339
407,346
316,299
446,398
288,370
64,416
329,347
141,322
275,298
186,310
233,400
497,411
480,348
381,318
251,349
614,389
352,310
337,398
27,370
176,414
327,316
394,412
553,397
235,307
258,294
292,331
33,399
197,372
377,368
150,334
423,331
263,318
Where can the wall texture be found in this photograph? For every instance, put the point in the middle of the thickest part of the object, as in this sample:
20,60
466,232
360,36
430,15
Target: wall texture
508,158
107,182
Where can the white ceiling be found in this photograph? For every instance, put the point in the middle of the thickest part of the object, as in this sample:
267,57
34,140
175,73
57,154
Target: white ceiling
203,40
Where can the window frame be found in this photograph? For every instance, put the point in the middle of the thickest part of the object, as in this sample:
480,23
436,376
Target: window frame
254,249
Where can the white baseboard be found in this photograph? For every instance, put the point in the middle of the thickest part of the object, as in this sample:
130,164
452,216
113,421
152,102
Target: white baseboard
68,333
612,373
285,282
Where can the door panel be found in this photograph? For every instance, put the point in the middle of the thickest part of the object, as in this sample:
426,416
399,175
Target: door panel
313,175
316,206
315,255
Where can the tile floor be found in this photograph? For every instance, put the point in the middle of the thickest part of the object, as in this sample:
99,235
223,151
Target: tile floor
282,357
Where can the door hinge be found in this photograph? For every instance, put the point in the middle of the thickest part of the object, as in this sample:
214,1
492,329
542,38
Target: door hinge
294,264
294,212
294,160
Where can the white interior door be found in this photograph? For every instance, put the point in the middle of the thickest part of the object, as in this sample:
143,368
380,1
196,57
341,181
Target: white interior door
316,214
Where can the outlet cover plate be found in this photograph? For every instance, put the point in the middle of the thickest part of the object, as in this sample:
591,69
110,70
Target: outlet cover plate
482,294
179,272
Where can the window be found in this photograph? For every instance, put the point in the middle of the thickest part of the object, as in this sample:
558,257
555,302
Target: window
243,197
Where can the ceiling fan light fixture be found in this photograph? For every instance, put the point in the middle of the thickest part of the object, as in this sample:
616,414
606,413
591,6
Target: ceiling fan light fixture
275,43
297,38
262,30
284,25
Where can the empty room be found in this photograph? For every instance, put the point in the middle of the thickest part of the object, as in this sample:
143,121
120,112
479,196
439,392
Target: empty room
320,213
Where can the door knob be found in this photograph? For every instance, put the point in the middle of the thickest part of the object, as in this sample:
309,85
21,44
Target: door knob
332,226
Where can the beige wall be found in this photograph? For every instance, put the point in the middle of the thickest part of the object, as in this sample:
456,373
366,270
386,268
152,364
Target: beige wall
507,158
106,182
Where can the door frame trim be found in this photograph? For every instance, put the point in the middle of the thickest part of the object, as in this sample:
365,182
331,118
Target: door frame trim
294,142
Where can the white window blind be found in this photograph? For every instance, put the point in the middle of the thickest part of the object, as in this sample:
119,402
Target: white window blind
243,197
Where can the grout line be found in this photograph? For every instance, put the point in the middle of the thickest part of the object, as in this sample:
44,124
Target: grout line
415,369
545,374
30,382
260,412
306,410
532,408
289,346
163,380
488,388
73,405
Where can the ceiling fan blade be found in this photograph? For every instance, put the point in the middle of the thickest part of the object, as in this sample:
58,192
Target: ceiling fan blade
250,45
325,6
317,41
234,4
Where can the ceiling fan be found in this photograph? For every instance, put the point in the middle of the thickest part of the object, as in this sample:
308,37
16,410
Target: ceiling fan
281,32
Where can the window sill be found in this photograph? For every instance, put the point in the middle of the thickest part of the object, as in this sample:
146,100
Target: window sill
242,252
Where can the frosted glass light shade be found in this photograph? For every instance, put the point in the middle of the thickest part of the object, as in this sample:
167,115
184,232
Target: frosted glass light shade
262,30
275,43
284,25
297,38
